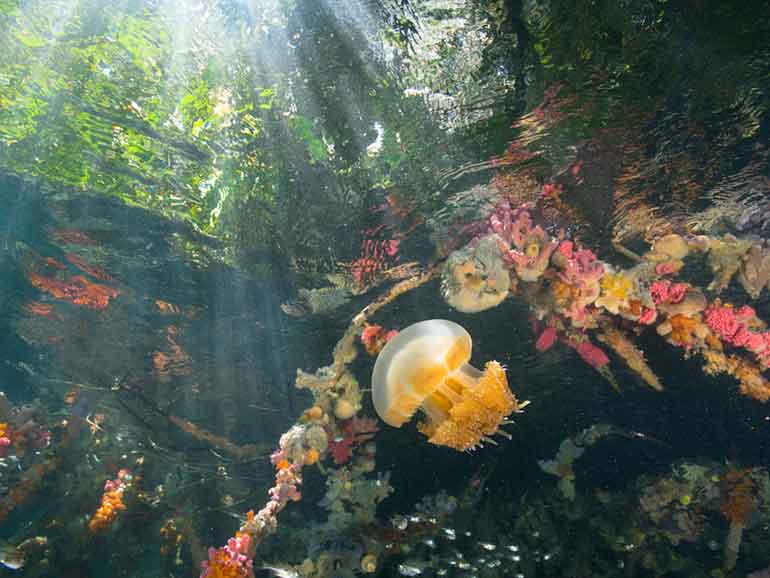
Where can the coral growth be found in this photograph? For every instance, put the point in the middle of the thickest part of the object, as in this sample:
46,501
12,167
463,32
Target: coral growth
577,293
352,498
355,432
546,339
617,289
374,338
725,258
589,353
668,247
751,381
739,502
632,355
740,328
23,432
569,451
475,279
578,282
754,275
233,560
670,504
527,248
28,453
664,291
112,502
561,467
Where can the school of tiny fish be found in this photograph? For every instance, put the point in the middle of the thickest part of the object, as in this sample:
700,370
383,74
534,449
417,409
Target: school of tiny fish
454,553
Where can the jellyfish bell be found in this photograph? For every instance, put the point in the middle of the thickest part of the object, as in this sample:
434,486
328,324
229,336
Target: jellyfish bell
425,367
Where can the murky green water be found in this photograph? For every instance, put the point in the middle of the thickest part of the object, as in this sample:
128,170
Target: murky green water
216,215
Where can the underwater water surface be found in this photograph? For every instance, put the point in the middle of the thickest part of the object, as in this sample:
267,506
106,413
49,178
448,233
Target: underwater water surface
336,288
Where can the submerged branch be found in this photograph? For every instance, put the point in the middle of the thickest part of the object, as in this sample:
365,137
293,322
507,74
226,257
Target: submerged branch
239,453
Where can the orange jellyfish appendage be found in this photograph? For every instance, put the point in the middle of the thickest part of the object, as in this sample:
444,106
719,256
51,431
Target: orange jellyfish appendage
469,407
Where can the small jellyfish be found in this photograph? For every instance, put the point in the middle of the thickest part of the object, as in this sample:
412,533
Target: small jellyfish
426,367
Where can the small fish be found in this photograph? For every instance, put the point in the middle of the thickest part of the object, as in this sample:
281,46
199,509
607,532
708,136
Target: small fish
293,309
281,572
488,546
262,407
450,533
409,570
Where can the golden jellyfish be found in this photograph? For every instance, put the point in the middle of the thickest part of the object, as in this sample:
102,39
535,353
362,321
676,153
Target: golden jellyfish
426,367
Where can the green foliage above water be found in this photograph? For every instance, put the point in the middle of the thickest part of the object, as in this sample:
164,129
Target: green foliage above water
251,125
